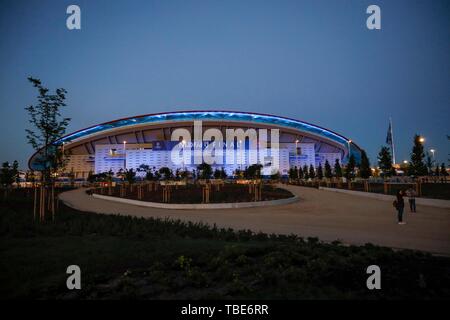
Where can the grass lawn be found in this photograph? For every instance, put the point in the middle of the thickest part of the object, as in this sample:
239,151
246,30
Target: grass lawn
125,258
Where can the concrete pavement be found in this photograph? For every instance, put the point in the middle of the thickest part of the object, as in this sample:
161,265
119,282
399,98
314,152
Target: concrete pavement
319,213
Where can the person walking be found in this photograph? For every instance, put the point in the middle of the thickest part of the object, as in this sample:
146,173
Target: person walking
411,194
399,204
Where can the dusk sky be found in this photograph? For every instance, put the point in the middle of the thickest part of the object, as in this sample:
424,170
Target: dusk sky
311,60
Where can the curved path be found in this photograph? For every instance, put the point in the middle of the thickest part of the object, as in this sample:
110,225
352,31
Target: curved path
319,213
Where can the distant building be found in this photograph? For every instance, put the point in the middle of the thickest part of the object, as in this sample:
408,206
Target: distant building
146,139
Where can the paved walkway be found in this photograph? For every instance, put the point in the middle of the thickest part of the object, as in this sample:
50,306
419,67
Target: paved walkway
319,213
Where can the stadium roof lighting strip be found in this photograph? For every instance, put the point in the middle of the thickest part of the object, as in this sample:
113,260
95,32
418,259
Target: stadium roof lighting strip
207,116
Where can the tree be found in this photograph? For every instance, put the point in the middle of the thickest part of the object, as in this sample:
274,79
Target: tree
337,169
444,172
6,178
275,175
385,161
177,174
320,172
350,168
91,177
220,174
165,173
312,173
253,171
157,174
130,175
364,168
109,176
149,176
328,172
71,176
29,176
436,171
417,165
300,173
305,172
8,175
223,173
205,171
48,125
15,172
293,173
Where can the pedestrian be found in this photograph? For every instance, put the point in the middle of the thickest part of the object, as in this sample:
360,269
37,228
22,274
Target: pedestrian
399,204
411,194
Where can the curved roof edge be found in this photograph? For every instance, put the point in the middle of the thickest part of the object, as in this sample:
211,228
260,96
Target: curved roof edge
208,115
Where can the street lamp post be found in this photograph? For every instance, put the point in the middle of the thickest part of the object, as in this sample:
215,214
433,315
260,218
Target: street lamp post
183,144
124,155
432,153
240,154
349,142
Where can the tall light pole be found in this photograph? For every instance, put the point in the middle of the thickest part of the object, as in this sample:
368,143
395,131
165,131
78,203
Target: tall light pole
349,142
432,152
183,144
124,155
240,154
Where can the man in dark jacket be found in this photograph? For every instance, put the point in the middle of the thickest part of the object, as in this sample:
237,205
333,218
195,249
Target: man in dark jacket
399,204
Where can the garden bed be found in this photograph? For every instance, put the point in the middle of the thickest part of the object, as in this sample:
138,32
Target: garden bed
192,194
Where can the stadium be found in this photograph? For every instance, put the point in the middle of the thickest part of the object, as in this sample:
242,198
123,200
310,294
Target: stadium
148,140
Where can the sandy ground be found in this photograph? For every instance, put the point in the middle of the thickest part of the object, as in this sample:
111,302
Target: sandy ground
319,213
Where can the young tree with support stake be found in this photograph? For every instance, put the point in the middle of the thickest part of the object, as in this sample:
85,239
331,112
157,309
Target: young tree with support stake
48,127
337,169
328,171
320,172
300,173
385,161
305,172
364,168
350,168
417,165
443,172
8,175
312,172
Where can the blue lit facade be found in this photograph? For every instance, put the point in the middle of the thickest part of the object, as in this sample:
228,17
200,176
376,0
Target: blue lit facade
319,133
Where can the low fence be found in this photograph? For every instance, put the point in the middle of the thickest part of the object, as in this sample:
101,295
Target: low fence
434,190
199,192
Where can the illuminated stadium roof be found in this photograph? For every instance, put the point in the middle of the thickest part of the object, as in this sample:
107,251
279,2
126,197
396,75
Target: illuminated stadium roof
231,116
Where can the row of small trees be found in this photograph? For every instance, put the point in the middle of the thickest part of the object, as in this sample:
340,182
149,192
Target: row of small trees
203,171
350,171
420,163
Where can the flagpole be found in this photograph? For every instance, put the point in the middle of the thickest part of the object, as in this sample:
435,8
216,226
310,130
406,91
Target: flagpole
392,140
